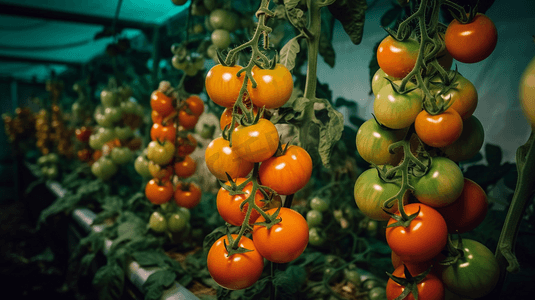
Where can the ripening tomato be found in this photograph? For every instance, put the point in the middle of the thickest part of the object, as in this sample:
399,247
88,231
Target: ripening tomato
397,58
288,173
226,117
373,141
186,120
284,241
228,205
222,84
461,91
423,239
186,167
379,80
187,195
471,42
255,143
186,146
371,192
527,92
159,132
220,159
441,185
238,271
156,117
439,130
83,133
195,104
159,193
273,87
161,103
468,211
430,288
395,110
469,143
84,155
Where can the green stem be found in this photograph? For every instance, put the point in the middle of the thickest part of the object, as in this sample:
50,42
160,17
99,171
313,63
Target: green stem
313,40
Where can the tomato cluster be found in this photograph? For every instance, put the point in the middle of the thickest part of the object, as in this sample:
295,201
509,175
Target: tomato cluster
168,154
253,201
423,126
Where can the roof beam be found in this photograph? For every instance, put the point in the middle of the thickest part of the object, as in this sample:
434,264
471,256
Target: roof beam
50,14
13,58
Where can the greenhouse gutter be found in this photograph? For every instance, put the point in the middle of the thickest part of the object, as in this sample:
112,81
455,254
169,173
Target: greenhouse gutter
137,274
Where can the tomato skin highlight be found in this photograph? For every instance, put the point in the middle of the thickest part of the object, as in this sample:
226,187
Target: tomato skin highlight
238,271
395,58
425,237
228,205
257,142
288,173
273,87
221,158
222,84
472,42
468,211
284,241
195,104
430,288
188,198
441,185
186,167
159,194
161,103
439,130
159,132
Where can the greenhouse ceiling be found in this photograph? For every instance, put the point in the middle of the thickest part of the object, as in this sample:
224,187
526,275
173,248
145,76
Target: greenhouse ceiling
39,36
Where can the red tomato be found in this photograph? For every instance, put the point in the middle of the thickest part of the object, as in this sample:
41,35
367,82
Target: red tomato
222,84
439,130
288,173
395,58
257,142
472,42
185,167
228,205
220,159
284,241
430,288
159,194
186,120
468,211
159,132
423,239
156,117
226,117
461,91
161,103
273,87
238,271
187,195
186,146
195,104
83,133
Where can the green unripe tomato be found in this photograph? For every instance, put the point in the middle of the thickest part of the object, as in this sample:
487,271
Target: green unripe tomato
42,160
319,204
157,222
104,168
128,107
123,133
177,222
108,98
352,276
377,293
53,158
185,212
314,218
142,167
121,155
52,172
113,114
314,237
221,38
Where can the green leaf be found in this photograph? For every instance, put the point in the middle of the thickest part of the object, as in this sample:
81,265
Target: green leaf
214,236
343,102
330,134
291,4
148,259
154,293
109,282
289,52
493,155
391,16
351,13
86,262
326,51
162,278
290,281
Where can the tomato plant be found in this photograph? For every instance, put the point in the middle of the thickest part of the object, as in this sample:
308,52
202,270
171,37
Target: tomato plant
320,204
395,110
461,92
468,211
186,120
373,141
221,38
469,143
221,158
239,271
185,167
161,103
223,85
284,241
159,192
228,205
527,91
161,153
156,117
471,42
439,130
422,239
195,104
379,80
475,273
429,288
257,142
287,173
104,168
159,132
273,86
177,222
371,192
187,195
441,185
83,133
157,222
397,58
186,146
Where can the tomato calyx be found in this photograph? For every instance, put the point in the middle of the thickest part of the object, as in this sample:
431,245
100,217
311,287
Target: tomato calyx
409,282
403,220
461,15
233,188
271,220
231,249
397,88
454,252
